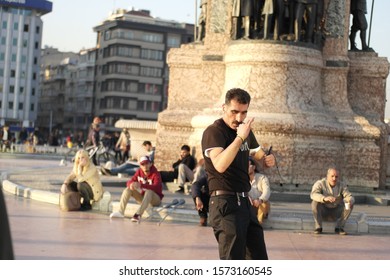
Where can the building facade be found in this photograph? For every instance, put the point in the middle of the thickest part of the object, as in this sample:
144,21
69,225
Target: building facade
67,84
20,53
132,76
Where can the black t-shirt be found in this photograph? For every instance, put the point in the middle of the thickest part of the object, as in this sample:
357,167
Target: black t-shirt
235,178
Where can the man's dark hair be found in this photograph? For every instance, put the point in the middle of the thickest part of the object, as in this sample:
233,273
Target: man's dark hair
238,94
147,143
185,147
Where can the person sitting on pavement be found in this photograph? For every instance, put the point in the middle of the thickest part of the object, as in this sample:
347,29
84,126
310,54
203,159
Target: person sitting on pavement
183,169
85,179
130,166
146,188
150,150
331,201
200,194
260,192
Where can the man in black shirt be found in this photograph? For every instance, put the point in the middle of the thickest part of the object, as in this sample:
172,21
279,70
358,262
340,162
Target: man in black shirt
183,169
226,146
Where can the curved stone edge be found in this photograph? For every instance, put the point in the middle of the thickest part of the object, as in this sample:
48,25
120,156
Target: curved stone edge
356,224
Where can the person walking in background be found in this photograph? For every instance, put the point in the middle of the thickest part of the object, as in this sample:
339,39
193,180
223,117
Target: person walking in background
260,192
85,179
146,188
226,146
118,154
331,201
5,139
124,144
93,140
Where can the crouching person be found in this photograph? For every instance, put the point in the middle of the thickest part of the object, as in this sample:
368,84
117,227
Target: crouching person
331,201
146,188
84,179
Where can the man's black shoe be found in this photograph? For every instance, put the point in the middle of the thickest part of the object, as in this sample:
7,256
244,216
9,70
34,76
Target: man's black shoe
340,231
85,207
180,190
318,231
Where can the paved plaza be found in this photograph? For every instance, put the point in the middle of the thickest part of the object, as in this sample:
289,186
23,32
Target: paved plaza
40,231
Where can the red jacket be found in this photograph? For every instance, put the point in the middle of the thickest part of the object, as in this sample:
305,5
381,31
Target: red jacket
148,182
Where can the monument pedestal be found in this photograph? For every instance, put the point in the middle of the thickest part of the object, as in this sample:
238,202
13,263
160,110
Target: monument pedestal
315,107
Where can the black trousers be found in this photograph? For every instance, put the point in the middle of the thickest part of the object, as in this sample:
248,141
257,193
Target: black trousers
168,176
84,189
236,228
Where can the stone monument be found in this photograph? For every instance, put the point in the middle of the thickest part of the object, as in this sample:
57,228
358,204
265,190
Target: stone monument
315,102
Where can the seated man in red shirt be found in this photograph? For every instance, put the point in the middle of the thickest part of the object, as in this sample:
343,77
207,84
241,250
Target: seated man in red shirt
146,188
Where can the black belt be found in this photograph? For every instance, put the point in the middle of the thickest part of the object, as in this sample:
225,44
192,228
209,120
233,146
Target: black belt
221,192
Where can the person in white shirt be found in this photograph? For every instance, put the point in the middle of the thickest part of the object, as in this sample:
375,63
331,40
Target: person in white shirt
260,192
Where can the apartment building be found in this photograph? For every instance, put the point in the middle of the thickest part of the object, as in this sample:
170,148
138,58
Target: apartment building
67,84
131,78
20,52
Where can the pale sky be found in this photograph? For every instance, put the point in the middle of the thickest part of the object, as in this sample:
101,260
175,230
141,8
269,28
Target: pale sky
69,27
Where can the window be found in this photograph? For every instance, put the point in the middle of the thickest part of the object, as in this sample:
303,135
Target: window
13,58
33,92
21,90
152,37
16,26
36,45
35,60
37,29
2,56
4,25
25,28
10,105
3,40
152,54
11,89
32,107
173,42
20,106
14,42
13,73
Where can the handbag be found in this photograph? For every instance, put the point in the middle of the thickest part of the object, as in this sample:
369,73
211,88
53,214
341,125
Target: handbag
70,201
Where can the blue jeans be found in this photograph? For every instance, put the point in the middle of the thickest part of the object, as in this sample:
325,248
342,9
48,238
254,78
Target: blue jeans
127,168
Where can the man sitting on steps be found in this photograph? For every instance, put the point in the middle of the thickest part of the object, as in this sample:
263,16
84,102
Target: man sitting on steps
145,186
183,169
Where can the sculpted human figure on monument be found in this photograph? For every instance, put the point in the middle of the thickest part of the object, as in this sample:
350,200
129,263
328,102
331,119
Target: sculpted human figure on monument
284,19
257,21
202,21
310,6
268,11
359,23
241,15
